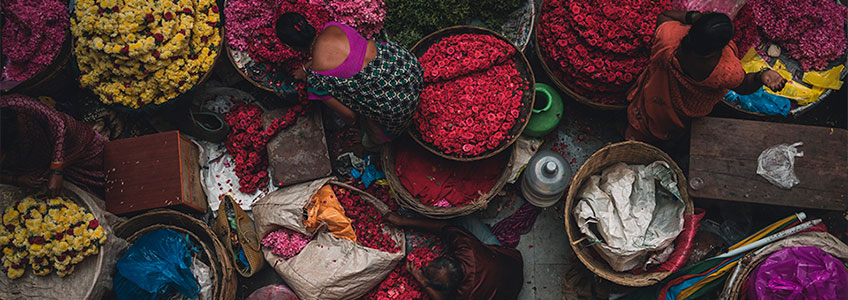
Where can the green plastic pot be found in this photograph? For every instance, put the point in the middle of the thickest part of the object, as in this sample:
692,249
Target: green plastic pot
547,111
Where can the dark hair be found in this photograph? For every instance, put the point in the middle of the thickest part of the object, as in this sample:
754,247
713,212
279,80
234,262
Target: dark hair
710,33
294,30
8,128
452,267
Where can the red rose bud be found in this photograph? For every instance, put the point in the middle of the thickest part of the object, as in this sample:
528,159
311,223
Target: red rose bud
59,236
215,9
63,257
27,217
100,11
70,231
10,227
149,18
93,224
115,8
182,31
187,10
204,39
156,53
158,37
126,49
169,16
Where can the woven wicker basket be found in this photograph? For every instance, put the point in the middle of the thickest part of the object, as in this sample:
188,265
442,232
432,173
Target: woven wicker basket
521,64
738,279
406,199
563,87
214,254
83,283
630,152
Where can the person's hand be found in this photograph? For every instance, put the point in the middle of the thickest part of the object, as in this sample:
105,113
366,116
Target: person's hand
392,218
31,181
772,80
299,74
55,184
416,273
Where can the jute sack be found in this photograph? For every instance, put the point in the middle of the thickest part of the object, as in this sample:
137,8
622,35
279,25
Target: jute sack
328,268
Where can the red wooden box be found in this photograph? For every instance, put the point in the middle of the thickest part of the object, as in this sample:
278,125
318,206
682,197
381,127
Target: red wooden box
153,171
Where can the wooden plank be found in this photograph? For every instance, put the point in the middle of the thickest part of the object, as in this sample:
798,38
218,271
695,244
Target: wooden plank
724,155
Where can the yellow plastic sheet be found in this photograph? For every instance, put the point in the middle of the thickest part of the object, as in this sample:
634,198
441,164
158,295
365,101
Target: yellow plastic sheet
752,62
781,69
326,209
828,79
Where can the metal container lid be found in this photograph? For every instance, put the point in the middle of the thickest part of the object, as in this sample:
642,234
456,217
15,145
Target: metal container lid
545,178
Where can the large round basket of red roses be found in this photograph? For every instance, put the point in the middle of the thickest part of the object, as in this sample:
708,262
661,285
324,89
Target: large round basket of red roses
478,93
595,50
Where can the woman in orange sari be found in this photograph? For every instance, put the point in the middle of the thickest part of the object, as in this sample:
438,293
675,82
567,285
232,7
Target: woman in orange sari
693,63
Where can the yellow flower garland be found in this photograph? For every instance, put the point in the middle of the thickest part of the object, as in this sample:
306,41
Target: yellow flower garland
52,234
136,52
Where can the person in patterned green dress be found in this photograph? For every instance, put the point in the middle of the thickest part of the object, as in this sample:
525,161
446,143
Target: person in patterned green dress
377,84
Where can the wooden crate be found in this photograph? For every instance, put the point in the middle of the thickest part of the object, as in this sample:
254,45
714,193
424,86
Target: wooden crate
153,171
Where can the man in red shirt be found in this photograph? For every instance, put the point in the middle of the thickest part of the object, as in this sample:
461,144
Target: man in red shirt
470,269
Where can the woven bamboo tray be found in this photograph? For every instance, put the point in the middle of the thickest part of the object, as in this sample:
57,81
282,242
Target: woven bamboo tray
224,283
409,201
527,99
565,89
82,283
630,152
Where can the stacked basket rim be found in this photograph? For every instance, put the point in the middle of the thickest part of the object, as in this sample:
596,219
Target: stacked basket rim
224,282
631,152
527,100
407,200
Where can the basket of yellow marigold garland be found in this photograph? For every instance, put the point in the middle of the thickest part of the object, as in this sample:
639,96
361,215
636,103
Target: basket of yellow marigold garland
55,247
142,54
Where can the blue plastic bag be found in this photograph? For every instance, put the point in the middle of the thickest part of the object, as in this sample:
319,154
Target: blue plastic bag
760,102
155,266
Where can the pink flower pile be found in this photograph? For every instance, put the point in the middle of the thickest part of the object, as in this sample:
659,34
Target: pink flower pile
32,35
366,16
811,31
285,243
472,95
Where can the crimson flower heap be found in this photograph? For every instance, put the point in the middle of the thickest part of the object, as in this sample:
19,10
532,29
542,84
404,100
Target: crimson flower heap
472,94
598,48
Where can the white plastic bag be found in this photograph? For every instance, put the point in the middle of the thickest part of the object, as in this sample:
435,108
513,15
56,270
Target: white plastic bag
777,165
637,210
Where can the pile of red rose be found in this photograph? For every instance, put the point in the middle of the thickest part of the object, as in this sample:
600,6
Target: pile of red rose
247,140
472,94
399,284
598,47
810,31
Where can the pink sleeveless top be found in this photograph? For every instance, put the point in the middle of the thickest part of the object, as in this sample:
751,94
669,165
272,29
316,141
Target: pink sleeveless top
353,63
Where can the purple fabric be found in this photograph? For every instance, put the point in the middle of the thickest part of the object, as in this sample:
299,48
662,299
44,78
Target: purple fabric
353,63
509,230
799,273
315,97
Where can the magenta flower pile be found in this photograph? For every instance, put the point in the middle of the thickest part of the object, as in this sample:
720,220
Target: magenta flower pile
285,242
366,16
810,31
32,35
